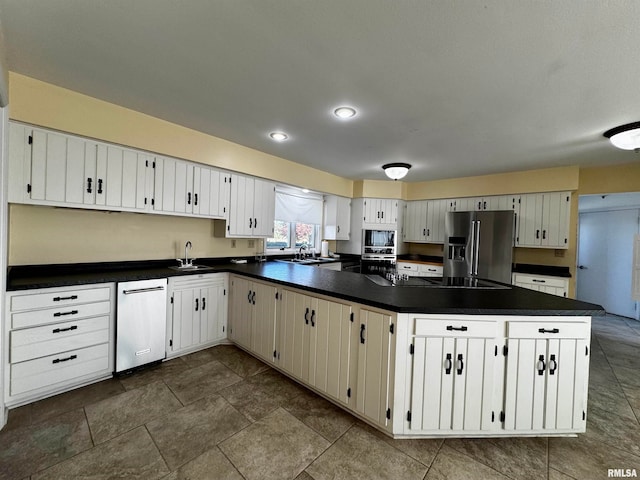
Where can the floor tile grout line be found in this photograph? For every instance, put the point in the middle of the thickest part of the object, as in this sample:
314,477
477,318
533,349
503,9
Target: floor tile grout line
433,460
229,460
153,440
476,459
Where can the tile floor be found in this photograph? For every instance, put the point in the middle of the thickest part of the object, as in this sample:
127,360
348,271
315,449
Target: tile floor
221,414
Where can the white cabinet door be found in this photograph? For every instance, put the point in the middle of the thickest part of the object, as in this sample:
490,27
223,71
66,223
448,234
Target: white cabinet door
240,311
543,220
197,317
415,221
294,333
337,217
542,283
264,204
263,317
380,212
240,222
435,221
48,166
330,348
376,350
454,376
546,376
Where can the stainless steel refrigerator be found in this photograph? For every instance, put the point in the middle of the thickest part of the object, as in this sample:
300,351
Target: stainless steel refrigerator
479,244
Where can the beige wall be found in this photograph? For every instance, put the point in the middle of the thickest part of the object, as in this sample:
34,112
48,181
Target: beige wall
613,179
543,180
40,235
379,189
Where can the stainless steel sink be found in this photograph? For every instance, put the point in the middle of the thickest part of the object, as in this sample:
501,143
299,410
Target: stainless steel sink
190,268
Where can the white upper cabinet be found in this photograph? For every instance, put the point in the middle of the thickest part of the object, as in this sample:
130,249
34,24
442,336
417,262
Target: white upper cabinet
380,212
543,220
189,189
337,217
415,221
252,207
50,168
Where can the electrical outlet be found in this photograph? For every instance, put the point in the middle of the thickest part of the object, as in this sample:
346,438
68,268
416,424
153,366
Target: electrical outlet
233,243
252,244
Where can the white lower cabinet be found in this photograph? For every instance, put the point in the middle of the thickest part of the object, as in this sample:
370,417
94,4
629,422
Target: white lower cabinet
253,315
542,283
546,376
494,375
57,339
197,312
422,375
454,376
376,350
315,342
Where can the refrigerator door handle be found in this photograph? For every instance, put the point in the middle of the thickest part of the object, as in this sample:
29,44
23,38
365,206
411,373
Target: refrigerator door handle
476,248
472,258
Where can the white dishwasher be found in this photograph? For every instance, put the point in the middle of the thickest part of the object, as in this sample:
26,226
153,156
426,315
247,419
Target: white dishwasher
141,323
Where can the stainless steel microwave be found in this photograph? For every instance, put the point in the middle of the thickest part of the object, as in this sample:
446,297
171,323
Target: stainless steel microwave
378,243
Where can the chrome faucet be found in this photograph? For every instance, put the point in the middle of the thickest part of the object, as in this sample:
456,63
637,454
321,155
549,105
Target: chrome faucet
187,247
302,247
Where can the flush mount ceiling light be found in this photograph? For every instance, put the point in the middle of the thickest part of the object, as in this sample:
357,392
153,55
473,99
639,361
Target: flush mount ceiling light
345,113
626,137
396,171
278,136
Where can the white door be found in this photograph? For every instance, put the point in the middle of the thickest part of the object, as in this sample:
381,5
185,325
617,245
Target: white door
605,260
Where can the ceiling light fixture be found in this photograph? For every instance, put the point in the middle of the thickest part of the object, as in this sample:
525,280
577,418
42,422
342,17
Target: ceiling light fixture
279,136
345,113
626,137
396,171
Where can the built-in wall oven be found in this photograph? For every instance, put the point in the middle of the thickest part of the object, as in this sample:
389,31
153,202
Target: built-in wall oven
378,252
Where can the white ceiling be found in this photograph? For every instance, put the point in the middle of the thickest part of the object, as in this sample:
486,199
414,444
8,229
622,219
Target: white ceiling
456,88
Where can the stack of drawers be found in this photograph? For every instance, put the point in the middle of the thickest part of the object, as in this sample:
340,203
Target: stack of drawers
58,338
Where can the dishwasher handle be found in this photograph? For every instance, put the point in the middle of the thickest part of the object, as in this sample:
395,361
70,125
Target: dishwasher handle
143,290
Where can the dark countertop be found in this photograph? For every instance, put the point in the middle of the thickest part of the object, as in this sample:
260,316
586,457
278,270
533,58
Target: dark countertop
343,285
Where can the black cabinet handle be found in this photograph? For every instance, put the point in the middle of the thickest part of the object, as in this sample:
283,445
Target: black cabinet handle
544,234
362,328
203,304
485,205
59,299
89,181
196,304
459,329
100,185
382,214
424,232
541,365
537,233
195,199
460,364
538,281
249,296
58,360
553,365
62,314
448,364
306,316
479,205
255,223
313,316
553,330
59,330
428,232
253,298
250,222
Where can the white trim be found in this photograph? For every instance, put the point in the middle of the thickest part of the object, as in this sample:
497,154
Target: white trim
4,135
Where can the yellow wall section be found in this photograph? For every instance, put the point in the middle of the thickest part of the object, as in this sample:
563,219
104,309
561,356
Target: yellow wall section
42,235
531,181
46,105
614,179
379,189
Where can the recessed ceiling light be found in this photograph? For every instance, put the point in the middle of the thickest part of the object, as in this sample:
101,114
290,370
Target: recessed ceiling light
345,112
279,136
305,190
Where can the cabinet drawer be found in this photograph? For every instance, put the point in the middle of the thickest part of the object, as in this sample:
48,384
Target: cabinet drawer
457,328
58,298
541,281
51,315
407,267
36,342
47,371
197,281
431,270
548,329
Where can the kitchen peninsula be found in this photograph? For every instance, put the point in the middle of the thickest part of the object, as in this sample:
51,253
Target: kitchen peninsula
412,361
